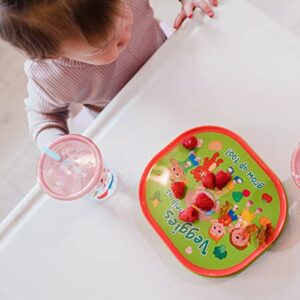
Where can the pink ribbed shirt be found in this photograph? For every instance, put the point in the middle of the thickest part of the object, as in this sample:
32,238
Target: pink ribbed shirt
55,83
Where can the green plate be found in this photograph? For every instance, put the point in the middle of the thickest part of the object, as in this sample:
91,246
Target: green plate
248,214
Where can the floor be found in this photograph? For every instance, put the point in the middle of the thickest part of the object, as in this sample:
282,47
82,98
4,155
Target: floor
18,154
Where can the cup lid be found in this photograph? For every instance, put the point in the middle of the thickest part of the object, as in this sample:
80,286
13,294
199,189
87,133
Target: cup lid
77,174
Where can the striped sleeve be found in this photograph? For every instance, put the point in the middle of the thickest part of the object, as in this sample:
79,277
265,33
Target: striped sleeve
47,117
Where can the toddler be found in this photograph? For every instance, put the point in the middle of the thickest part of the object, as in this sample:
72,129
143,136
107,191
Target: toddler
81,51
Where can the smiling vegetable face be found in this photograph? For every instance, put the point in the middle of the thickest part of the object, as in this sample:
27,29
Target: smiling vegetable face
217,231
240,238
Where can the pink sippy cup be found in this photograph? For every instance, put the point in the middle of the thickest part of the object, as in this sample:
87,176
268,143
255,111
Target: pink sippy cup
75,170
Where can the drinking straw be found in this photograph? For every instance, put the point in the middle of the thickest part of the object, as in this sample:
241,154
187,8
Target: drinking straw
51,153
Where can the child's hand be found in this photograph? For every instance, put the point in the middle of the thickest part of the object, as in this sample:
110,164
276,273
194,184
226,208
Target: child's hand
188,7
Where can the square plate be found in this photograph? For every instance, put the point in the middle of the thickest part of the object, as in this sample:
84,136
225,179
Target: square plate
248,214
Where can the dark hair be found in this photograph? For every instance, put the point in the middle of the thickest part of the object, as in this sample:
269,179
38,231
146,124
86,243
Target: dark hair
38,27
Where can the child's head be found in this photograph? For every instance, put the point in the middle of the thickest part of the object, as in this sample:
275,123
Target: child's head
92,31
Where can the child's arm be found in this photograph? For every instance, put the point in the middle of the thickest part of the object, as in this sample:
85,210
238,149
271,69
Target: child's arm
188,7
46,116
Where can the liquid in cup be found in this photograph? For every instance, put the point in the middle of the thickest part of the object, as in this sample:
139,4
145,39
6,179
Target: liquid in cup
80,171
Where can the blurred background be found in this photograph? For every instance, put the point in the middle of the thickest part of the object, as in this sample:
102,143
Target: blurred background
18,154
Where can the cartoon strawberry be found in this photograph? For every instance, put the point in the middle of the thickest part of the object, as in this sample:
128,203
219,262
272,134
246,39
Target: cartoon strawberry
266,197
246,193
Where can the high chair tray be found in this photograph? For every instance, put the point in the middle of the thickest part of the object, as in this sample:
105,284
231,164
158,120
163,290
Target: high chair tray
213,201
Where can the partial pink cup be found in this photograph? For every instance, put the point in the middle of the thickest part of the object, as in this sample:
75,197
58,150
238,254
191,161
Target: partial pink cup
296,165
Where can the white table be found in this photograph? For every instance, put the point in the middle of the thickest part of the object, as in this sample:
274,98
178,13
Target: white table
241,71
